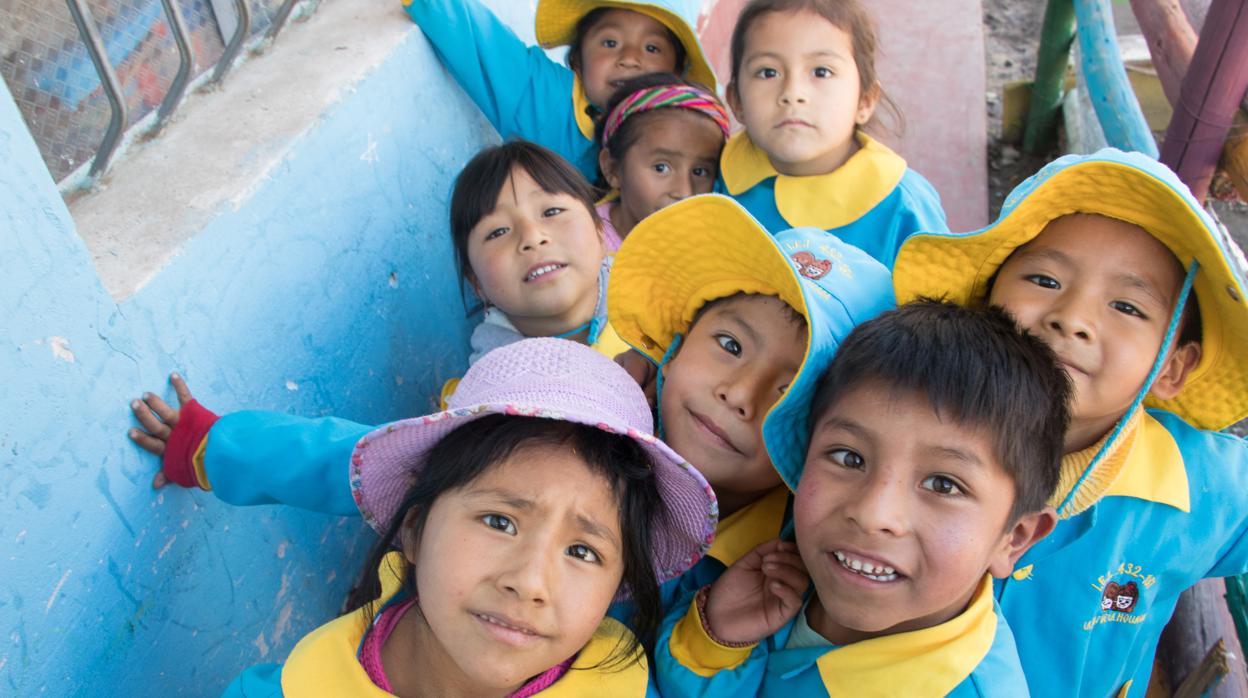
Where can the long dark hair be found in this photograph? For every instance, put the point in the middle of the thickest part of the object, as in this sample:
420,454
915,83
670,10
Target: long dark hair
478,185
471,449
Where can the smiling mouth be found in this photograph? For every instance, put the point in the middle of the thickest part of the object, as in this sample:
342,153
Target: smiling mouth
543,270
716,435
507,631
876,573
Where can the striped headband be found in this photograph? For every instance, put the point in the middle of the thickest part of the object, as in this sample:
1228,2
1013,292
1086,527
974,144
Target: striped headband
681,96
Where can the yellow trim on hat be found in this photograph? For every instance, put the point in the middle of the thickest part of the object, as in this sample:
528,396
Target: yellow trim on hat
959,267
580,108
933,660
749,527
681,257
556,26
825,201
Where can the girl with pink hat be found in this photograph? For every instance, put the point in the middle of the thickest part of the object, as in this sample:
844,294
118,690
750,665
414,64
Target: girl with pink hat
509,524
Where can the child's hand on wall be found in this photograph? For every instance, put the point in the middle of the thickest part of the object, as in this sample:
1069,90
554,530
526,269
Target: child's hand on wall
758,594
158,421
642,370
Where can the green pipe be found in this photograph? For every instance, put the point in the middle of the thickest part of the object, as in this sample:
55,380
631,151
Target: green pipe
1040,131
1237,603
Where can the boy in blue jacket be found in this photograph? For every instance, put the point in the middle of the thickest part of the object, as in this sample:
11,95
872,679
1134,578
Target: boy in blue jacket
1110,260
922,465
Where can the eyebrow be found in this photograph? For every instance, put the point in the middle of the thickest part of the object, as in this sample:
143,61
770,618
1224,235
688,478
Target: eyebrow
511,499
844,424
731,315
954,453
823,53
592,528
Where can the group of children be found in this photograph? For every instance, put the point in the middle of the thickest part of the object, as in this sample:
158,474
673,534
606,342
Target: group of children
840,450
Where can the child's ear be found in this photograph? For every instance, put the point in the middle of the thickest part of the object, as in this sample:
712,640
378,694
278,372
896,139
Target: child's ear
1026,532
734,102
1174,371
408,536
610,168
476,287
867,103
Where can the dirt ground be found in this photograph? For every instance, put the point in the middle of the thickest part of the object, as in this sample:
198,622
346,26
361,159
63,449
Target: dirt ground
1011,40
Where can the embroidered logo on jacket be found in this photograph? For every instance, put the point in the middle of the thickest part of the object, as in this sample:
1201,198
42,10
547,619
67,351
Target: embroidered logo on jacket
1120,595
810,267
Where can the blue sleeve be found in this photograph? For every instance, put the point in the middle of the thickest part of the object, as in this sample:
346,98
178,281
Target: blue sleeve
919,211
675,671
260,681
1230,457
275,458
518,87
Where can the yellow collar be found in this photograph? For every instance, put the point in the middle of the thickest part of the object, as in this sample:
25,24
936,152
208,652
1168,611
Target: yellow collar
580,108
933,660
825,201
748,527
325,663
1146,463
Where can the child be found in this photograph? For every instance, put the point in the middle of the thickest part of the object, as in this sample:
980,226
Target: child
1090,255
660,142
804,85
528,240
931,446
495,569
729,316
526,94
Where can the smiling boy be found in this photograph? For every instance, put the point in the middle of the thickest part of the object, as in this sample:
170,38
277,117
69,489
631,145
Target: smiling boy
1094,254
934,440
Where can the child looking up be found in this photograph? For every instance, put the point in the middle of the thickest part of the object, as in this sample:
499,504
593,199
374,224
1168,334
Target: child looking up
660,142
1110,260
931,446
804,86
508,525
525,94
728,317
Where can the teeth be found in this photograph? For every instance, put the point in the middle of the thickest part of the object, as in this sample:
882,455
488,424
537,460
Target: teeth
495,621
879,573
542,270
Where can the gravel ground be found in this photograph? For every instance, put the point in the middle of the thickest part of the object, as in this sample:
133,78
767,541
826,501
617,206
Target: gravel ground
1012,37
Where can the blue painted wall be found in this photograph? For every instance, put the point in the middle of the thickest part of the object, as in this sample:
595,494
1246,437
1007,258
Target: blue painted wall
331,290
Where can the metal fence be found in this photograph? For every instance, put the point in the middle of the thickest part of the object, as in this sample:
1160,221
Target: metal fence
84,71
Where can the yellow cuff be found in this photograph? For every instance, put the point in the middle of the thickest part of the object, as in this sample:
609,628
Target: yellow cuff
197,463
698,652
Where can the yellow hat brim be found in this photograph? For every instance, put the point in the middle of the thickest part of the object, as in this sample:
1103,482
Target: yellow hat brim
959,267
685,255
556,26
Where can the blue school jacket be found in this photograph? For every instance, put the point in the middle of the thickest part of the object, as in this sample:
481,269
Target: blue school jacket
970,655
873,201
518,87
1087,604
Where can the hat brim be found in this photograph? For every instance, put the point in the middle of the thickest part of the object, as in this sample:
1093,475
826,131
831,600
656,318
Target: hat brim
1127,187
556,26
386,462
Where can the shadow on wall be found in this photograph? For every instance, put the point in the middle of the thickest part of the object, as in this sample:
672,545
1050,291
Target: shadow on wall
330,290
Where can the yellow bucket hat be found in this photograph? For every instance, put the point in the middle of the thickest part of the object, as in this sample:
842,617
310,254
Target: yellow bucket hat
1132,188
556,26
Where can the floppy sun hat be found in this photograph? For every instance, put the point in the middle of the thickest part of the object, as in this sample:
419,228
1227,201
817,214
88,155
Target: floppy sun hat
708,247
551,379
1132,188
556,26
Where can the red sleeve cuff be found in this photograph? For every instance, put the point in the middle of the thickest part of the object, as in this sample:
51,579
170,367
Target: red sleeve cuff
194,421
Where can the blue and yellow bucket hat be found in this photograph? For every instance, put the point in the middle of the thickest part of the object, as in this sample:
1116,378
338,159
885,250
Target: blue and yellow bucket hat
1132,188
707,247
556,26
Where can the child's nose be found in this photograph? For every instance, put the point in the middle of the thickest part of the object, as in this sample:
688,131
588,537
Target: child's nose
880,506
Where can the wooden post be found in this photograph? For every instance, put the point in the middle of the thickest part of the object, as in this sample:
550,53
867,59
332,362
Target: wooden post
1210,95
1046,91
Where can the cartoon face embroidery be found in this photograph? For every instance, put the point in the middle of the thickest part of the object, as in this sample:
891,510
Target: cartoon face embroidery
1120,597
810,267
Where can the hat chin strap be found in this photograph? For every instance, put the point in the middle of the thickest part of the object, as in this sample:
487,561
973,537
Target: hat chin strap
1166,342
658,383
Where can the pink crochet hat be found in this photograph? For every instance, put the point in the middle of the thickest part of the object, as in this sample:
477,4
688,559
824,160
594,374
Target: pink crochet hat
552,379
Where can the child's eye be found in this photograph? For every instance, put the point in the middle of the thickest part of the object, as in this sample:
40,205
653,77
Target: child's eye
661,167
499,522
583,552
847,458
610,43
495,233
705,172
822,72
729,344
552,212
942,485
766,73
1127,308
652,48
1042,280
783,389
